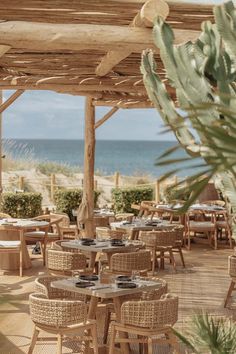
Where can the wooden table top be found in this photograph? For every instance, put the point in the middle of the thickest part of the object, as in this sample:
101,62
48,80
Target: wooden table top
142,225
105,291
11,223
103,246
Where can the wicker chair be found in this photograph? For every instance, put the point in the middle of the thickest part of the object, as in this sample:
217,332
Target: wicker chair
232,274
65,263
67,230
43,286
4,215
124,217
179,230
143,295
125,263
195,223
45,236
158,243
147,320
224,222
215,202
60,317
106,233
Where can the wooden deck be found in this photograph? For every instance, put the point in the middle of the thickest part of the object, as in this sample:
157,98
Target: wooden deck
202,285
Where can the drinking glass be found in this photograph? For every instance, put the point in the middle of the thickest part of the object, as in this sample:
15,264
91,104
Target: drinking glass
135,275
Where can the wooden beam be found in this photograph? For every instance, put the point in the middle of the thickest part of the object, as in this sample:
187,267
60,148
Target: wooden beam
123,104
10,100
4,49
1,96
149,11
49,36
89,156
106,117
144,18
79,89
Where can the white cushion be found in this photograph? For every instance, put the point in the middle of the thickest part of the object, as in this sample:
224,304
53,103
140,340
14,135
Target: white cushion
201,225
9,244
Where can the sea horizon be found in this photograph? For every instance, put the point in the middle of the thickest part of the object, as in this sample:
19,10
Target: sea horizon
129,157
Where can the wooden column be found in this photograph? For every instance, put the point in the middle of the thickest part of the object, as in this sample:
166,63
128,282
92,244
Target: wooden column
1,100
89,154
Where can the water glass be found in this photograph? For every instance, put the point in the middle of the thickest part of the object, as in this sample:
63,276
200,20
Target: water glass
75,275
135,275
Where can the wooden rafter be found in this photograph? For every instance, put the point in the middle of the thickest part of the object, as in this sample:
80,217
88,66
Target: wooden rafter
144,18
58,45
10,100
106,117
41,36
4,49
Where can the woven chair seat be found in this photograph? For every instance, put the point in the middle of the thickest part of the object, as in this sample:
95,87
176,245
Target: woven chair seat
9,244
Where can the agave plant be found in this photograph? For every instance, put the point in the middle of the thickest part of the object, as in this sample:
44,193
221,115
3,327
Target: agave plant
209,334
203,74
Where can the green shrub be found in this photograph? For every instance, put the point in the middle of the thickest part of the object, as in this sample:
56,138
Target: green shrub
172,193
66,200
22,205
49,167
124,197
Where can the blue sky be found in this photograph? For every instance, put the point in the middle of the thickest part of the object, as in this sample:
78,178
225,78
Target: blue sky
49,115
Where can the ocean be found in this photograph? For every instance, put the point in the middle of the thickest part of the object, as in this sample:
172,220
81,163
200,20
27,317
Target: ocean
128,157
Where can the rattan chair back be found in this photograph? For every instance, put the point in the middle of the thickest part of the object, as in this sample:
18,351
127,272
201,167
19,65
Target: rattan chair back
4,215
232,266
162,238
43,286
106,233
64,262
154,314
124,217
56,312
125,263
65,220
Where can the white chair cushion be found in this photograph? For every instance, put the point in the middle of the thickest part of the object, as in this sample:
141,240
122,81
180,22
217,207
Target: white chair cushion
201,225
9,244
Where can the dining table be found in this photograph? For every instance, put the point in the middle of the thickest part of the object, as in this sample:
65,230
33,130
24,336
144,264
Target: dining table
98,290
104,246
12,229
136,226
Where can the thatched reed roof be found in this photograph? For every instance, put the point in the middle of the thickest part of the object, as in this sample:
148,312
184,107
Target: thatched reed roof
86,47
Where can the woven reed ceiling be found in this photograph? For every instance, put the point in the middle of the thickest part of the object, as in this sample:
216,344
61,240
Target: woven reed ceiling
73,71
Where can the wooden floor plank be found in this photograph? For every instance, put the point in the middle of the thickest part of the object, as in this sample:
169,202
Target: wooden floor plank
202,285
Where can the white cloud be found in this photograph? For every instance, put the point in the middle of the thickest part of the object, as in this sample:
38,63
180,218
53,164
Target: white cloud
44,114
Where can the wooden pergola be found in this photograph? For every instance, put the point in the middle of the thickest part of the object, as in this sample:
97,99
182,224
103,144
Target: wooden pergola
90,48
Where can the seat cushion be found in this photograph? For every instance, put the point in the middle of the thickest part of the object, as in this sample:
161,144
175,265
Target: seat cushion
9,244
201,225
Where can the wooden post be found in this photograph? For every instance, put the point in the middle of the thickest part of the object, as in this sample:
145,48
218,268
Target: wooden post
21,182
117,179
1,94
53,184
89,153
157,191
175,180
